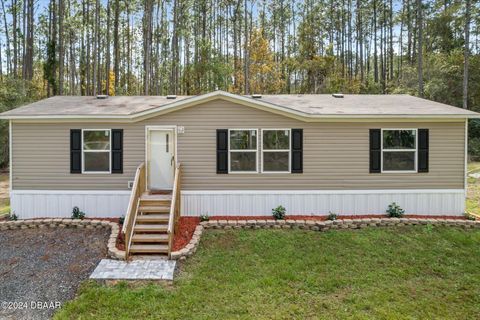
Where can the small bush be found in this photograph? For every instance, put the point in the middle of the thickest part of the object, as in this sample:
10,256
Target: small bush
470,217
204,217
429,228
395,211
332,216
77,214
279,212
121,220
13,217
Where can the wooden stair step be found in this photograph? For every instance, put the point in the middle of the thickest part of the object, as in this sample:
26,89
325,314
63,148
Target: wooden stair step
155,203
156,197
150,228
161,209
149,248
153,217
150,237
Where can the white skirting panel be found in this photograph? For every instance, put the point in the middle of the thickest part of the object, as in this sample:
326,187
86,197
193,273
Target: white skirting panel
103,204
59,203
321,202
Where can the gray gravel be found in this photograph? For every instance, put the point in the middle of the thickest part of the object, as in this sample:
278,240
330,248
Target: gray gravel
45,265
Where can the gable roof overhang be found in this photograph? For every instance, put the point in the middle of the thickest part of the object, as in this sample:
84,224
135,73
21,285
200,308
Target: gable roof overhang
242,100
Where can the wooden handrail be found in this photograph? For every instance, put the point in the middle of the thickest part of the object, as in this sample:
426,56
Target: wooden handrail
139,187
174,208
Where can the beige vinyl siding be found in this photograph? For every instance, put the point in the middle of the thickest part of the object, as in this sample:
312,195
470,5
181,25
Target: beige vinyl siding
336,155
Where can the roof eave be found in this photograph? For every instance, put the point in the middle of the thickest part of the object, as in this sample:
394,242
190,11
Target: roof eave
306,118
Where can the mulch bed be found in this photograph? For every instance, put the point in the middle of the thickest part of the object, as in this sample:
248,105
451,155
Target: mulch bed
185,232
323,218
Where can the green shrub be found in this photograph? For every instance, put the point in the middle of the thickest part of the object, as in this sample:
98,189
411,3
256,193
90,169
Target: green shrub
204,217
77,214
121,220
279,212
395,211
13,217
470,217
332,216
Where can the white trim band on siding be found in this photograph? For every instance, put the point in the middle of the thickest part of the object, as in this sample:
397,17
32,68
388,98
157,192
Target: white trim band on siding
320,202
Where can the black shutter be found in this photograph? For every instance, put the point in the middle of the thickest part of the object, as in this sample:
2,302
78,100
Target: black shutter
297,150
222,151
422,150
375,150
117,150
75,151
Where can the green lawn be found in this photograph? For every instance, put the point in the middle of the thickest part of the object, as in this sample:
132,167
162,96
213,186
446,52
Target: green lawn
4,203
473,191
420,272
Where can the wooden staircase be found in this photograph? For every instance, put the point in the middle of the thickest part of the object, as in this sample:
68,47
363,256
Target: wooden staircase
150,232
152,219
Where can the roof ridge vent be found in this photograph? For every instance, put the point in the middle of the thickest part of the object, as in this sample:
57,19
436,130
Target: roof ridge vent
172,96
102,96
338,95
256,96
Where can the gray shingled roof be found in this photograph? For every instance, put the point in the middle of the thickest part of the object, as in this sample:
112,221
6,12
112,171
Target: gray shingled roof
307,104
87,105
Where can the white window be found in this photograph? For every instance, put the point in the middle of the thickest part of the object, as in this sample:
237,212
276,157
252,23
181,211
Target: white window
242,148
96,150
399,150
276,150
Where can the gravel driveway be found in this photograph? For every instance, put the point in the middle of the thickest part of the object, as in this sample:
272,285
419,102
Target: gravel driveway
42,268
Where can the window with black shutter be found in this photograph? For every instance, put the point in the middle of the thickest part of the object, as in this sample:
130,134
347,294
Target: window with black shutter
297,151
75,151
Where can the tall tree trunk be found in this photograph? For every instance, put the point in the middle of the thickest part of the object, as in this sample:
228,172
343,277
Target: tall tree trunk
147,42
375,57
15,42
107,54
28,64
61,50
245,55
466,53
7,39
391,40
116,46
420,47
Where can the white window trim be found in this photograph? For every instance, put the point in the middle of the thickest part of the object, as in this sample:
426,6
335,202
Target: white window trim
277,150
93,151
249,150
400,150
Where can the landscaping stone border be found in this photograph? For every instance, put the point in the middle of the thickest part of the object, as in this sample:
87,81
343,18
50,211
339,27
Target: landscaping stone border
314,225
113,252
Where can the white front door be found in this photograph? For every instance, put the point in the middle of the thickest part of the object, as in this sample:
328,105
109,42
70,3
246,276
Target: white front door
160,158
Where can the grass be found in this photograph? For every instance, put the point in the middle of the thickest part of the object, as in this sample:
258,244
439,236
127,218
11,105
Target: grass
473,167
4,203
420,272
473,189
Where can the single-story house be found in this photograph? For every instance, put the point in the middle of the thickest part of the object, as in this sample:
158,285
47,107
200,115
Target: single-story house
239,155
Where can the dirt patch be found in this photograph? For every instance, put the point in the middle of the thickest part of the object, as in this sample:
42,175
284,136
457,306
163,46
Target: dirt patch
46,266
185,232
